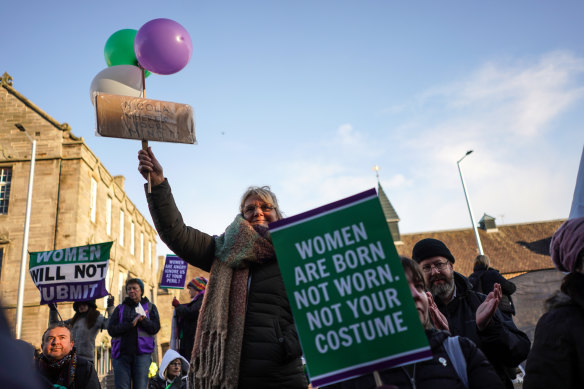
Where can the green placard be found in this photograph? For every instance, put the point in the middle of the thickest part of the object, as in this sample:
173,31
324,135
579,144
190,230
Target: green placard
351,302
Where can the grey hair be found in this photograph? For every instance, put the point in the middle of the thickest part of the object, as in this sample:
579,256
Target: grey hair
265,194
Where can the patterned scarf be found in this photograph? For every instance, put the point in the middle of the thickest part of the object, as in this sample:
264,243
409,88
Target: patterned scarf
64,369
218,340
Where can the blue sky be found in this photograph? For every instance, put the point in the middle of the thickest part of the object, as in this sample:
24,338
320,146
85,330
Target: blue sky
308,96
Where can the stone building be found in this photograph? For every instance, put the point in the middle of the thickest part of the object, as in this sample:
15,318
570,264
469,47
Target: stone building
75,201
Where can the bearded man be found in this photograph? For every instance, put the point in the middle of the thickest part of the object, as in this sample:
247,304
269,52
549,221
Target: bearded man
471,314
59,365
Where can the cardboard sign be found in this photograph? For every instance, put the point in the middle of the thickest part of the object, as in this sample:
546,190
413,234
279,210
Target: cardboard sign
351,302
144,119
174,273
71,274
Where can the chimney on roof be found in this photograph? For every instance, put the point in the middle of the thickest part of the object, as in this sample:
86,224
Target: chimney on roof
487,223
120,181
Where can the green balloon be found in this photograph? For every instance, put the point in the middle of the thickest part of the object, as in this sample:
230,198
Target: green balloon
119,49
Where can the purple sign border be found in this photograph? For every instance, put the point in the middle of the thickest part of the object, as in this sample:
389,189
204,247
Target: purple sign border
399,361
100,291
325,208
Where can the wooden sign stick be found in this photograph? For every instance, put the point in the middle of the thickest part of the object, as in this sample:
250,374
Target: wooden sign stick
144,141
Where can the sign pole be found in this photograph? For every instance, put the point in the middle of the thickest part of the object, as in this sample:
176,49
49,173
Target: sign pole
144,141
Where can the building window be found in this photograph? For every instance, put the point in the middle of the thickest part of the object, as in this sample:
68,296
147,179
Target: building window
156,260
149,255
121,288
108,216
5,180
142,247
92,205
121,228
132,238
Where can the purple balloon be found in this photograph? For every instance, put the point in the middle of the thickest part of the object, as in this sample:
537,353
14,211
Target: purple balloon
163,46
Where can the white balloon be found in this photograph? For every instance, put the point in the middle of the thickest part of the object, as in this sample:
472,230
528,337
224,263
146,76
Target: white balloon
124,80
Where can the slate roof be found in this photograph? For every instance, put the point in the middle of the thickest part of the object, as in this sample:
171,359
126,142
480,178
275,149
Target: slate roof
512,248
388,209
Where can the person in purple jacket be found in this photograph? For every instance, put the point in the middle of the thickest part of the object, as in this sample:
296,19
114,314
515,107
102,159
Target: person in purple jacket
132,327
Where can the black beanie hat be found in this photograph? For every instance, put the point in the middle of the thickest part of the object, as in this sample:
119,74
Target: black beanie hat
90,304
428,248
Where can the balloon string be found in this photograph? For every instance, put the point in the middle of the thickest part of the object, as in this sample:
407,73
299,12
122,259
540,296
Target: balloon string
144,141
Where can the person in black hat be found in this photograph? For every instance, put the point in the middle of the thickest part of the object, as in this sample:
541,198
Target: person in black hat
469,313
85,324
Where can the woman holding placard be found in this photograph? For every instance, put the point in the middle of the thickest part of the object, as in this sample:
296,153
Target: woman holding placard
246,335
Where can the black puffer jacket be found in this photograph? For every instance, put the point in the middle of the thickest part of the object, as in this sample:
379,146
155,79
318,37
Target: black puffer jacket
85,375
483,280
270,356
502,342
557,357
437,372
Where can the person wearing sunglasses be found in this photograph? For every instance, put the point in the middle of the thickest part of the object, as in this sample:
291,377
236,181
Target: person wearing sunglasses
245,335
172,373
469,313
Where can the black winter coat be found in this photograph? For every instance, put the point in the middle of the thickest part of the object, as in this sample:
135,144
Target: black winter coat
437,372
483,280
85,375
502,342
158,383
557,357
126,330
188,315
270,356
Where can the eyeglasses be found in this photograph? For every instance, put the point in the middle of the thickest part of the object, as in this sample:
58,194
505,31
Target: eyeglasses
250,209
438,266
175,363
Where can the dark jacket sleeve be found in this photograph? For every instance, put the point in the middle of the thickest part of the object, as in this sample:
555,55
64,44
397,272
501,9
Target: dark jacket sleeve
192,245
87,378
152,324
480,372
117,328
502,341
189,311
493,276
557,356
54,317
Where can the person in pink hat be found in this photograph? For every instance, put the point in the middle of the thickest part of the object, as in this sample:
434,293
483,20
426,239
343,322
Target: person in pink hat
187,316
556,359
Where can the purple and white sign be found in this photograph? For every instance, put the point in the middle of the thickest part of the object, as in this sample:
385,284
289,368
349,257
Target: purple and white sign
174,273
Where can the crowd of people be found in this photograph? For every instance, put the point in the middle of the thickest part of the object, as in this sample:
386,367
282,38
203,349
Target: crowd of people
237,330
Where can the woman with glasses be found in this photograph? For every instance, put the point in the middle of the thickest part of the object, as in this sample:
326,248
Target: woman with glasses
246,335
172,373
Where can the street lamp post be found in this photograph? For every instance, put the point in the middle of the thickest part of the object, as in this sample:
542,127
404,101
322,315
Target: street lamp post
20,298
474,226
